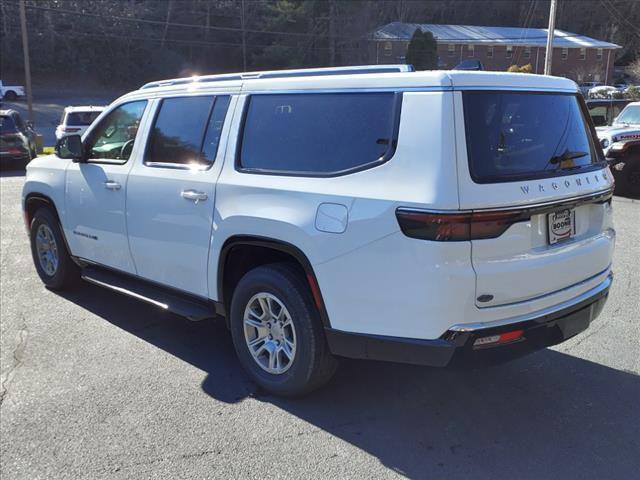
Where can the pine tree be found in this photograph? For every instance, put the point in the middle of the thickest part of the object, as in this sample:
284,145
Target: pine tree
422,52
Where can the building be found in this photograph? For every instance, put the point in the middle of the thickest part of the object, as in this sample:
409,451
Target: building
575,56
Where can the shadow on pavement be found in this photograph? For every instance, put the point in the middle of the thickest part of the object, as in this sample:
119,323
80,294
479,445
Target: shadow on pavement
550,415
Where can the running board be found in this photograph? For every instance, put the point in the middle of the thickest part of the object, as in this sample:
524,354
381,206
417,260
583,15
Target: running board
184,305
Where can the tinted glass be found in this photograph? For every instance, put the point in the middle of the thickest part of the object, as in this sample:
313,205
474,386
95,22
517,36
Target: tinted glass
216,122
514,135
82,119
177,134
113,138
630,115
317,133
6,124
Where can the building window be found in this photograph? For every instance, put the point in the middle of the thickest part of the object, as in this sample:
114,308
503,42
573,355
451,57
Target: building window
527,52
388,48
509,51
583,53
490,51
451,48
599,54
565,53
471,50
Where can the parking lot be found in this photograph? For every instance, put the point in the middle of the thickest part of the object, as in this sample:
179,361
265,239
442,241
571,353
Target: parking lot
98,385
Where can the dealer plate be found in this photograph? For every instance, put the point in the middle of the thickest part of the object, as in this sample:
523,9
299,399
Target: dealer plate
562,225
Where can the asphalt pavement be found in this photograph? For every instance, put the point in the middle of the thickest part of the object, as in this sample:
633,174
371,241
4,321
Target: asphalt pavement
96,385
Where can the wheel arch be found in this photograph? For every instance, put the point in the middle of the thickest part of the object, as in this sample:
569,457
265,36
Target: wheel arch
264,251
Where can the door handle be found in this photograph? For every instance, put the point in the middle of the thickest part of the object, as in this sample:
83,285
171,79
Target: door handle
111,185
194,195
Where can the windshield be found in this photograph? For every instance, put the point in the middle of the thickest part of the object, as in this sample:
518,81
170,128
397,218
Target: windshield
7,124
82,119
630,116
525,135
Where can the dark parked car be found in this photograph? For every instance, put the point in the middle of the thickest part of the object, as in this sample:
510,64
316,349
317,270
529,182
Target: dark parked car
17,139
624,160
603,111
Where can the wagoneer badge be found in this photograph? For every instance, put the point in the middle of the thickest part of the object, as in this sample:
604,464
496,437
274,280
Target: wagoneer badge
598,178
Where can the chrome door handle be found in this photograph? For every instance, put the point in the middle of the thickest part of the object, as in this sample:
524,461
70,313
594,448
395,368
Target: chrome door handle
194,195
111,185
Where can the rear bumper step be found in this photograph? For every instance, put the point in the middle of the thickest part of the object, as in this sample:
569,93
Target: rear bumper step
456,347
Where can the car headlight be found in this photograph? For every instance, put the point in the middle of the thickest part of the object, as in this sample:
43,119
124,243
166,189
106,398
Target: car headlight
604,142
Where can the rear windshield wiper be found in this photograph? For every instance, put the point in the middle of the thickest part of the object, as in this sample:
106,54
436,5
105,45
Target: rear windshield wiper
566,156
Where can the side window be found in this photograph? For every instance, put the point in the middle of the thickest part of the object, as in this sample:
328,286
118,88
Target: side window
113,138
178,134
319,134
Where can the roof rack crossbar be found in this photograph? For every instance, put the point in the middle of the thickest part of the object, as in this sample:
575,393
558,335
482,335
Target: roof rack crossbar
283,74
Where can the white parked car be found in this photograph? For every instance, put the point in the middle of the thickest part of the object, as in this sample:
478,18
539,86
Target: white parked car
433,218
586,86
602,91
625,126
10,92
75,120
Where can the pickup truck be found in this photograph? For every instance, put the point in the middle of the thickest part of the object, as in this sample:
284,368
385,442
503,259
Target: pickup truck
10,92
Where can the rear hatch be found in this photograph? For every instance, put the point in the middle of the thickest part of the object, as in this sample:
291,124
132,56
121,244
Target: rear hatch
532,174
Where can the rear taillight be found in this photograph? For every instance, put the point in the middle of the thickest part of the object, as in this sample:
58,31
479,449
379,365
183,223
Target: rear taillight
457,227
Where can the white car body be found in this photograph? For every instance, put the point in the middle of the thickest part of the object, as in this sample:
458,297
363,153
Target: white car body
602,91
620,130
76,120
11,90
374,279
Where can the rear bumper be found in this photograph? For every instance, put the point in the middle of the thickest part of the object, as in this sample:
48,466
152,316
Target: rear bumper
456,346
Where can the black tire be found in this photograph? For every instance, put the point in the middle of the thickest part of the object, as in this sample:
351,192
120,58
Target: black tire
312,365
67,273
10,96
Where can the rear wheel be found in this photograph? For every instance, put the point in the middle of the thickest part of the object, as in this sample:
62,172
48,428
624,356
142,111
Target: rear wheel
277,331
50,255
10,95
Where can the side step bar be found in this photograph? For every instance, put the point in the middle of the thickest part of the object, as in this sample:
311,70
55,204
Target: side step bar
186,306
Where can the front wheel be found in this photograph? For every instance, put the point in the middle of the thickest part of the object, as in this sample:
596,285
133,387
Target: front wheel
277,331
50,255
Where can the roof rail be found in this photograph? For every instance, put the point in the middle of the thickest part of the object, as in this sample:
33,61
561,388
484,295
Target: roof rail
305,72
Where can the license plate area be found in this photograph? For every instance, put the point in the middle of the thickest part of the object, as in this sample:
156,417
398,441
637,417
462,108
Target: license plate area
561,225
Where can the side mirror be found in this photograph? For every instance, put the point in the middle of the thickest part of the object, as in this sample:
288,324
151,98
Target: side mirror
70,147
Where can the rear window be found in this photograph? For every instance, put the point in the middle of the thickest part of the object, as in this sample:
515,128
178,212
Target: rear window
319,134
82,119
7,124
525,135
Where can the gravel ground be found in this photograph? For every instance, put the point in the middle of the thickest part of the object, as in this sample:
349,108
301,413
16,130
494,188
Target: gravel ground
96,385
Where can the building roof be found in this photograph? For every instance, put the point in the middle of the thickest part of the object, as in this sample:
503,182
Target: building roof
530,37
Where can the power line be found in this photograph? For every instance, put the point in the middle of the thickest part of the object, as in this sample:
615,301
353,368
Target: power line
174,24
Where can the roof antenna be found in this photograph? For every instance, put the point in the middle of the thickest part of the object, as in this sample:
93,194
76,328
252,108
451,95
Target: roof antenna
469,65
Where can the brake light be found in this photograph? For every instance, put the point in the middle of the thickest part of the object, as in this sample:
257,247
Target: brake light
457,227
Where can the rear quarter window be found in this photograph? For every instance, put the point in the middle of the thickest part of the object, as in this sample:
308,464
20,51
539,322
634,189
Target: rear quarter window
526,135
318,134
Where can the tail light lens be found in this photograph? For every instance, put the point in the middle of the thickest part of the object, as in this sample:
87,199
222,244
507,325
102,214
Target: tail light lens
457,227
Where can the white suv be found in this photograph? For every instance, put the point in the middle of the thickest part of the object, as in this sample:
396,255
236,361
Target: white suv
433,218
76,120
